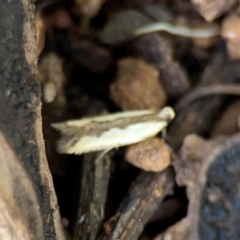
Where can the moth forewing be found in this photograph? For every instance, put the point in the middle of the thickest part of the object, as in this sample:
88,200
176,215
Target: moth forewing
111,131
90,122
114,137
104,118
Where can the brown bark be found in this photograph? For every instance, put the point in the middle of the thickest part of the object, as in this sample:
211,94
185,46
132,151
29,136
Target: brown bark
93,196
138,206
207,168
31,201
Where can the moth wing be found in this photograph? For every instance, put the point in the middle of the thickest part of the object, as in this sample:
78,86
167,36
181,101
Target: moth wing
115,137
71,126
72,142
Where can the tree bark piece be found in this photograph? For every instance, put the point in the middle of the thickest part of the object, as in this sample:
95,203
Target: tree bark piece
139,205
20,217
210,170
20,118
94,188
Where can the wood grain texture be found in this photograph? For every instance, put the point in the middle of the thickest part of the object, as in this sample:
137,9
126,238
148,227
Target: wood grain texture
20,118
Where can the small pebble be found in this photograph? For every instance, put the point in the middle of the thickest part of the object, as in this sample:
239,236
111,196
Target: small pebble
231,29
174,79
231,33
150,155
52,78
212,9
233,50
49,92
89,55
157,49
120,28
137,86
61,19
153,48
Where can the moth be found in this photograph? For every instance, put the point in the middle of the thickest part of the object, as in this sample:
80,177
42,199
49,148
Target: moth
111,130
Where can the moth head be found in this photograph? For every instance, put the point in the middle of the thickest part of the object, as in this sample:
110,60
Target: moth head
167,114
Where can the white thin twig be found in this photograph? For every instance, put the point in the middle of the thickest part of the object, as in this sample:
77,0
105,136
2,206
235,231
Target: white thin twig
178,30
